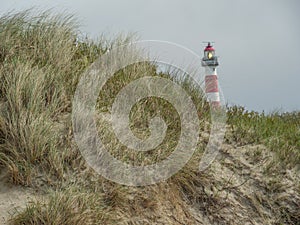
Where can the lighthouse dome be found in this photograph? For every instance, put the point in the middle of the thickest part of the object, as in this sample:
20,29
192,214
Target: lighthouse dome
209,48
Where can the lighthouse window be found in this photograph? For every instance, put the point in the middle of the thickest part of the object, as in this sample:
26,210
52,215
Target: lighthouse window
210,55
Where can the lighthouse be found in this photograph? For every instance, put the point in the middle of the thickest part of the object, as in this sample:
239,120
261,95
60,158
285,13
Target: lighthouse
210,63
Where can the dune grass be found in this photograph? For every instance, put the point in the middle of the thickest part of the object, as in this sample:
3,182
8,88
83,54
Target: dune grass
41,61
72,206
39,68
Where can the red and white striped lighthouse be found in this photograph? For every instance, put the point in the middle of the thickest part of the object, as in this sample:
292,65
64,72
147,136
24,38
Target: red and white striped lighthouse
210,63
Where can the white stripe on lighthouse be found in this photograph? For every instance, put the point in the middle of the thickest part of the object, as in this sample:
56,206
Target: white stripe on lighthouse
213,96
210,70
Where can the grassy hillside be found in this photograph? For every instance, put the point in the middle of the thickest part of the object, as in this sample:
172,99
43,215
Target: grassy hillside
41,59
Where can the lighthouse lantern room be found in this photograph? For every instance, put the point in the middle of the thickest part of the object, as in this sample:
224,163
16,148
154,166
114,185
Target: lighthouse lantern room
210,58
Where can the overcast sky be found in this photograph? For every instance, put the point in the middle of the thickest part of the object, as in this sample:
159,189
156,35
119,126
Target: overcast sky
257,41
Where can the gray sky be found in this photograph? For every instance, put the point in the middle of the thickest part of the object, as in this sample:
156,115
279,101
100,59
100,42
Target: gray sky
257,41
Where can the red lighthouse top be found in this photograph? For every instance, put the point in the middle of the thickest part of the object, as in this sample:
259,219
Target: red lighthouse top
209,47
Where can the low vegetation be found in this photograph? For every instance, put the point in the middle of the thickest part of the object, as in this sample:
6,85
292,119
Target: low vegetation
280,132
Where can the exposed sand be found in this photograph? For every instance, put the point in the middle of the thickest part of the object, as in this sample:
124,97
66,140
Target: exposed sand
12,199
248,193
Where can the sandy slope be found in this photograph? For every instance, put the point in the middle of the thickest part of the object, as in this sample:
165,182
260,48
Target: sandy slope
250,193
12,199
242,189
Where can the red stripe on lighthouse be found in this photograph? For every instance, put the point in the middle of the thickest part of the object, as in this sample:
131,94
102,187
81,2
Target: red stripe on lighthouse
215,105
211,83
